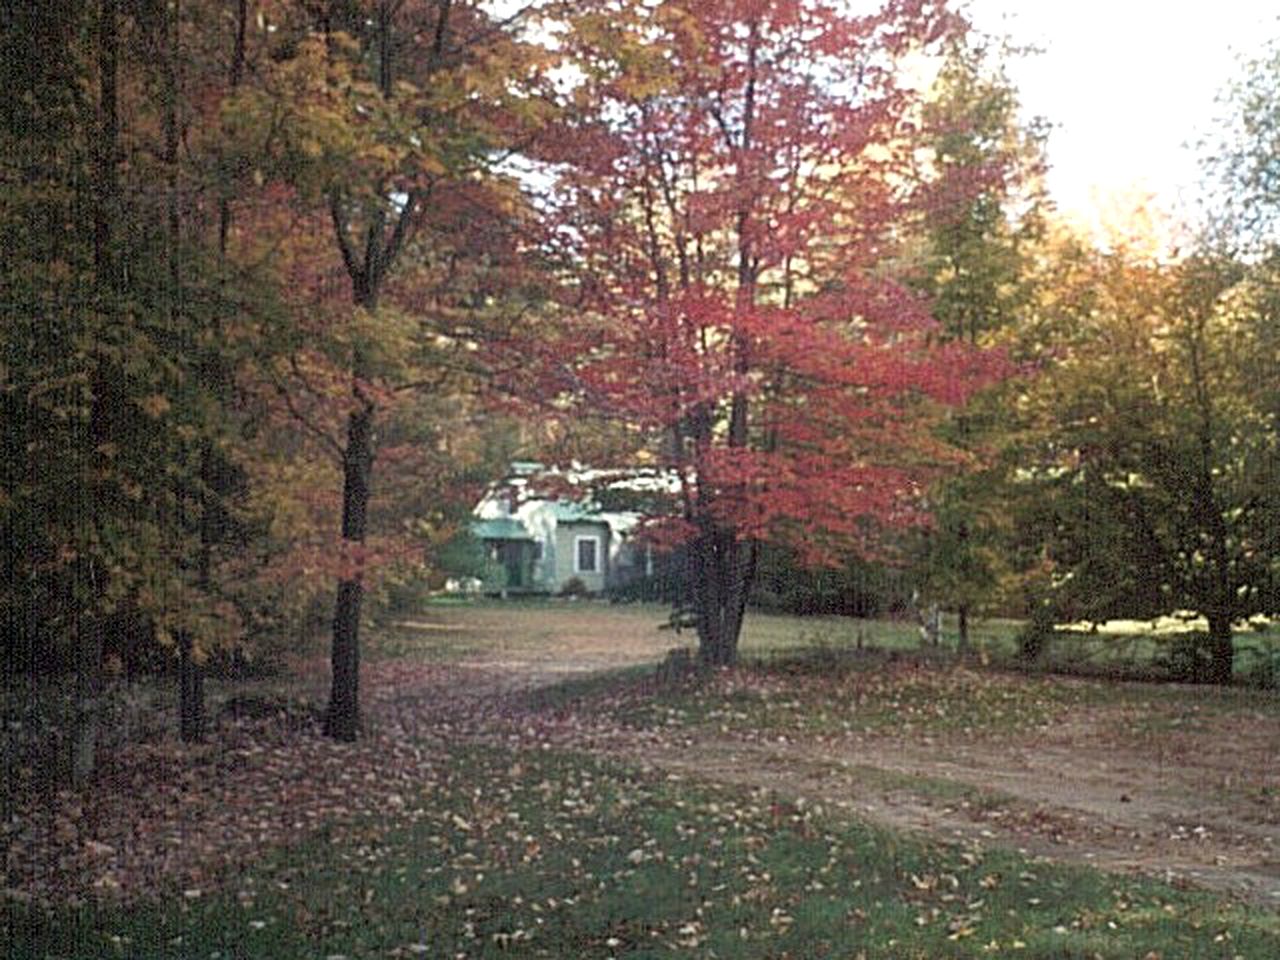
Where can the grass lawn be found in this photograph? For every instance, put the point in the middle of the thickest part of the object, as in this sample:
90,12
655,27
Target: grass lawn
458,629
553,854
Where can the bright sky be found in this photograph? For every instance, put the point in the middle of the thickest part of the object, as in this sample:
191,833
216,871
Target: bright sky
1128,84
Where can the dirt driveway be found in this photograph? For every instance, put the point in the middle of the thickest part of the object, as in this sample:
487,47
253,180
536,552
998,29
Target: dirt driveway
1180,784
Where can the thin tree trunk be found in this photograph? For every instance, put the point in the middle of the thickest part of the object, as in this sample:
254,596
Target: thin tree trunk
342,722
704,581
190,679
190,691
729,567
106,146
1221,590
191,705
237,71
87,719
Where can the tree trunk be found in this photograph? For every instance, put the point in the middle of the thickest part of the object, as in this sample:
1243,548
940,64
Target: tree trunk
1221,650
726,568
237,70
343,719
962,644
86,722
342,722
105,147
722,570
190,691
190,679
82,759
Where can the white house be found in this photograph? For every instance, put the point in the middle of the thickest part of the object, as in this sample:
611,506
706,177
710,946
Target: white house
547,542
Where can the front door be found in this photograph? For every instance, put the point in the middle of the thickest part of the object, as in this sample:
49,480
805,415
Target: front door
512,555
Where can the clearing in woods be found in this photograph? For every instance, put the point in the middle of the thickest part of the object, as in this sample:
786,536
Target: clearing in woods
1175,782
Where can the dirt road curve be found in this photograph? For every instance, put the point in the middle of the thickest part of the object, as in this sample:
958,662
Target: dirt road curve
1194,803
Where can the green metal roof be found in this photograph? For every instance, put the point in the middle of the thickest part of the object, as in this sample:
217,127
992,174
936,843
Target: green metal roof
500,528
567,511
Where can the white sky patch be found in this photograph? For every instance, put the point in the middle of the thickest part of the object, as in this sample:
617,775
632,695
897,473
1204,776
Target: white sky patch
1130,86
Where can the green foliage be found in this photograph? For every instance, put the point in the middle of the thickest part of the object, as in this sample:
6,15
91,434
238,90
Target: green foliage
464,556
1186,656
988,211
978,241
1147,477
109,396
1261,664
858,588
1036,636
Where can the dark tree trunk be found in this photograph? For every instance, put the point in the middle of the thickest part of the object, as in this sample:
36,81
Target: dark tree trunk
962,643
190,675
725,565
86,722
1221,592
721,571
105,147
367,272
1221,650
237,71
343,719
190,691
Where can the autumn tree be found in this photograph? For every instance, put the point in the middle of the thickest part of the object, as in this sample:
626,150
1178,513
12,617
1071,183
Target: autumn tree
1150,475
388,121
978,232
725,201
116,495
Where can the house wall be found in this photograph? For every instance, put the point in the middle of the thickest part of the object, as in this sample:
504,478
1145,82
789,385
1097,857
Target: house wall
566,552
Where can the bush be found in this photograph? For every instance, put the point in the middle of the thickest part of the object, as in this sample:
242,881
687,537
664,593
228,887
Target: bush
574,587
857,589
1186,657
1263,670
668,583
1033,641
401,594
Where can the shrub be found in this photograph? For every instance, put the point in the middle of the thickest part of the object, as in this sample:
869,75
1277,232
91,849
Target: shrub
1186,657
1033,641
574,587
1263,670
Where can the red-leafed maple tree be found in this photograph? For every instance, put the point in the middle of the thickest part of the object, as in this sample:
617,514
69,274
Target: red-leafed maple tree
726,202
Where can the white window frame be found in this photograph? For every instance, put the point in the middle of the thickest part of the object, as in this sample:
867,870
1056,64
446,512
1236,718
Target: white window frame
577,554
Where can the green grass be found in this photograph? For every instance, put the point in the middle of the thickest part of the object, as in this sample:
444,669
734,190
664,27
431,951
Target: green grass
557,855
450,630
830,693
549,853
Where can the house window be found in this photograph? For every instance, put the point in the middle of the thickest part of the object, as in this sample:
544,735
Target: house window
537,550
586,555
